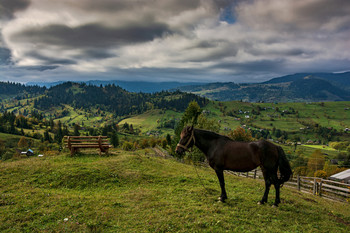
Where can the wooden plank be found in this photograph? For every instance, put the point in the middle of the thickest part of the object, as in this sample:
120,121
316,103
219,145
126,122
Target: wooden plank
86,136
335,182
336,187
90,146
87,139
326,190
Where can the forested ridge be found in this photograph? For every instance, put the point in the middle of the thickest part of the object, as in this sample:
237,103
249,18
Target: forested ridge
19,90
114,99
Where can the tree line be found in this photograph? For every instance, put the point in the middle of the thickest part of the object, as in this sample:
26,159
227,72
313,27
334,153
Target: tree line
114,99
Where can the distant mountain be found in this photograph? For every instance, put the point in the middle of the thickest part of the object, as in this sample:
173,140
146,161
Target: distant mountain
131,86
306,87
341,80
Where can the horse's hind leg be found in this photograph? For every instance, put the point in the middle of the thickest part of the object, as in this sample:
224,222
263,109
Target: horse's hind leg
220,174
267,186
266,193
277,185
277,188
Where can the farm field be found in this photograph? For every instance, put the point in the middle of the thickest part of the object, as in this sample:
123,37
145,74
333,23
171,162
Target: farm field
293,118
151,121
137,192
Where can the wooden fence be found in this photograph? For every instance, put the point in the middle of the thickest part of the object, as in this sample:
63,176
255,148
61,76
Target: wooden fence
317,186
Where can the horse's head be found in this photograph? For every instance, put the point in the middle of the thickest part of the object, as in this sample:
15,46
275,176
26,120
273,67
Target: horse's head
187,140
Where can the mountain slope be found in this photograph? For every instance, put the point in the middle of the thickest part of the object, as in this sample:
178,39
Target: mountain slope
341,80
291,88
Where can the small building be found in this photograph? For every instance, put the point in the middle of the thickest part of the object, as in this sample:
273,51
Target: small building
29,152
343,176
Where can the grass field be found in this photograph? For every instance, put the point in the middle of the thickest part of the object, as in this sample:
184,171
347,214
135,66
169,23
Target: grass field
136,192
329,114
150,120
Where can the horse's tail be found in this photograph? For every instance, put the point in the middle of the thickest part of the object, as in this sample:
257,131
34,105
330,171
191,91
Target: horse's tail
284,166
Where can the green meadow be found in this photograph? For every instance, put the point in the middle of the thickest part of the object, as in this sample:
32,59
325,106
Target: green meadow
138,192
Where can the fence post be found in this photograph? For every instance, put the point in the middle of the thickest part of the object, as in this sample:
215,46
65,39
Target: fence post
247,175
255,174
320,188
314,191
298,182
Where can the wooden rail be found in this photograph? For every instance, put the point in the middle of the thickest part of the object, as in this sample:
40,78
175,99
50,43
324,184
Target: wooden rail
74,143
317,186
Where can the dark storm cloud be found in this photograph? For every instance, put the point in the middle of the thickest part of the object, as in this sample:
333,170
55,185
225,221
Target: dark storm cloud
253,66
95,54
9,7
170,6
40,68
5,56
49,61
91,35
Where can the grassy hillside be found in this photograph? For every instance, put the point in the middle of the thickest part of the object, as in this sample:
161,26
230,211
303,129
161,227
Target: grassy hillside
136,192
293,118
152,120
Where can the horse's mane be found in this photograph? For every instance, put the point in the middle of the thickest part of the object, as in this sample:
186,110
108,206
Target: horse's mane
211,134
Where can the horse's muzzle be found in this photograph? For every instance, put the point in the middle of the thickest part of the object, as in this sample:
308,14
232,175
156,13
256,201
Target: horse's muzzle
180,150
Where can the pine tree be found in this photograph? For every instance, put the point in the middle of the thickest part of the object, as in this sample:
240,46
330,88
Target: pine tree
115,140
76,130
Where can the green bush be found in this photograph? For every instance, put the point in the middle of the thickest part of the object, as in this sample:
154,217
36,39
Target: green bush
128,146
7,155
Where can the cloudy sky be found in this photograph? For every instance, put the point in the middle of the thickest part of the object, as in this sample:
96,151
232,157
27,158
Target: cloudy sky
167,40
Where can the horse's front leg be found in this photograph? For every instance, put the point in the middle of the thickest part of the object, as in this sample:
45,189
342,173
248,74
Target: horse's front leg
220,174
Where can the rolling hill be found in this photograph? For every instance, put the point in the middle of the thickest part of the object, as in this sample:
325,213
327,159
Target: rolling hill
130,86
113,99
291,88
137,192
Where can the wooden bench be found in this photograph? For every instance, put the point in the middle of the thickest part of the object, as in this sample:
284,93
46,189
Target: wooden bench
74,143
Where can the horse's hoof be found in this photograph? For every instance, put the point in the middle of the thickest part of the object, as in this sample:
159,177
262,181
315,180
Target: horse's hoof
274,206
221,199
260,203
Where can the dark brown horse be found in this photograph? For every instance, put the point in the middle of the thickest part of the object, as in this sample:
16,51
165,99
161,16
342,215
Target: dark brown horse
226,154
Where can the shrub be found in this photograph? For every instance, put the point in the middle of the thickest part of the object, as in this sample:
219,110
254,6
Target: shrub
128,146
320,174
164,143
240,134
301,171
144,143
7,155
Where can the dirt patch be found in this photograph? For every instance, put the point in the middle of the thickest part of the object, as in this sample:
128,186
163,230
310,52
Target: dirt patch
339,219
309,199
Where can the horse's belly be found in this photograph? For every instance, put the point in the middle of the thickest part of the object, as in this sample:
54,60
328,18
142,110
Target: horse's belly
242,163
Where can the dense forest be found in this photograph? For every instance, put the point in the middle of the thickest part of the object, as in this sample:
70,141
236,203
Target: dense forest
19,90
114,99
